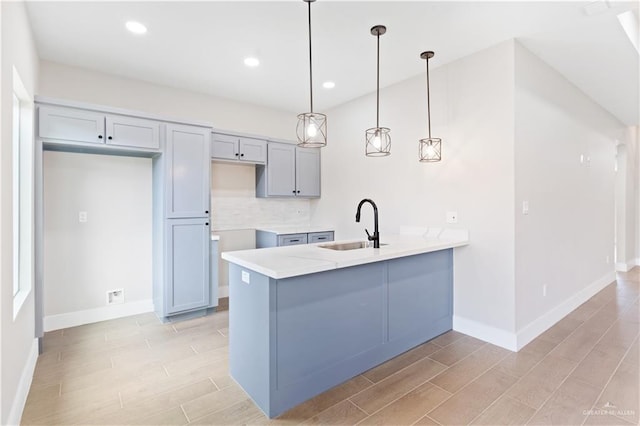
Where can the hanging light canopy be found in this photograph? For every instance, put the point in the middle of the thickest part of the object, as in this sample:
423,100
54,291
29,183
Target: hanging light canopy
312,126
430,148
378,138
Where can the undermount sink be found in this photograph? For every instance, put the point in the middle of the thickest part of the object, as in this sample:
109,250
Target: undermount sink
348,246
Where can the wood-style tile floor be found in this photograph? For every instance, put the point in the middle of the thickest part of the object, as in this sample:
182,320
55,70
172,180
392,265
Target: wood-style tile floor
135,370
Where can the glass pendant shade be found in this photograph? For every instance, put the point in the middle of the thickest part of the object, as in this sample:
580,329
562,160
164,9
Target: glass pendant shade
312,130
378,139
312,126
430,150
378,142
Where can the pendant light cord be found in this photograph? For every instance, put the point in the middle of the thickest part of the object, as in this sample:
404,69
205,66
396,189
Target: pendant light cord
378,84
310,62
428,101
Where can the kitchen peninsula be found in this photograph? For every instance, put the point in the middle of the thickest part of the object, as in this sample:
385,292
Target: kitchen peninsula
305,318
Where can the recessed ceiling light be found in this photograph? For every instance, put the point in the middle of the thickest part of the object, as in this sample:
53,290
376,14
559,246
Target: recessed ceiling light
251,61
136,27
328,85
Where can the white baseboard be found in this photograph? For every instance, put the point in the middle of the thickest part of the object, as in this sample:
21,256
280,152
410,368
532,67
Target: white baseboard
223,291
547,320
624,267
495,336
20,399
88,316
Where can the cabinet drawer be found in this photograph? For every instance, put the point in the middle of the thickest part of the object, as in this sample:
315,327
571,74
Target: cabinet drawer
320,237
292,239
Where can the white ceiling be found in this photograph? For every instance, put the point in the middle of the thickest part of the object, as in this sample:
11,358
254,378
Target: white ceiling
200,46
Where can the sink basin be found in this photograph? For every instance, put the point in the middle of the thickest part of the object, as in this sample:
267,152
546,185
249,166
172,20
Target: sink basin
348,246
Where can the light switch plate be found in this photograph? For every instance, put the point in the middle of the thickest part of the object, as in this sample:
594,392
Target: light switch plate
246,277
525,207
82,217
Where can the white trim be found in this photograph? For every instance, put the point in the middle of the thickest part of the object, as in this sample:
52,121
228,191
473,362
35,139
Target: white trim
547,320
223,291
624,267
19,401
637,261
496,336
88,316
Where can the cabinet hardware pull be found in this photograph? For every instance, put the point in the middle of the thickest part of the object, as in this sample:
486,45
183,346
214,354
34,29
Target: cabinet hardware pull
241,155
206,224
322,238
294,241
206,211
294,191
236,154
109,138
298,191
99,136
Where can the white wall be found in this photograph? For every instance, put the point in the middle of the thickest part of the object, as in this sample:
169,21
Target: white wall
112,250
632,177
18,346
568,234
472,110
233,187
236,212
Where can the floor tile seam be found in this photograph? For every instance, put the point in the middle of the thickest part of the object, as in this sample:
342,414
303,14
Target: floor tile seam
461,359
171,389
397,372
570,372
390,402
184,412
474,378
430,418
480,375
604,387
221,409
631,346
371,382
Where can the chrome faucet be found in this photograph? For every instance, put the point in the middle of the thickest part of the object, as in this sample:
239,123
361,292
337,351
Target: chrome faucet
376,235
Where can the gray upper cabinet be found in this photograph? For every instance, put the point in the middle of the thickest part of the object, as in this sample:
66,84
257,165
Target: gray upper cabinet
134,132
238,148
187,170
70,125
290,172
187,247
307,172
64,125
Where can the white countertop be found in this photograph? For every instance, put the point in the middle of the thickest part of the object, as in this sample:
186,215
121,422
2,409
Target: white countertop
291,261
283,230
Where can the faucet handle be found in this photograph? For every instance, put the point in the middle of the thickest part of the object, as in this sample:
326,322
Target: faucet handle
369,237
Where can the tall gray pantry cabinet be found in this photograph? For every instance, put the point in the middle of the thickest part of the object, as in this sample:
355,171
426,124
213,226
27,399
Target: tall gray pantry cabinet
181,222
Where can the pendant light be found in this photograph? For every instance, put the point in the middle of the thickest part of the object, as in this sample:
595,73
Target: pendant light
312,126
378,138
430,148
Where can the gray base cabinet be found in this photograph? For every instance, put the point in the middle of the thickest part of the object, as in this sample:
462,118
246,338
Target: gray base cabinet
187,285
265,239
294,338
290,172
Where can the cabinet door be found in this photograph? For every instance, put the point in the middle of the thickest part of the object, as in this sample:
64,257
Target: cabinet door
224,147
70,125
307,172
281,170
320,237
187,171
187,285
253,150
134,132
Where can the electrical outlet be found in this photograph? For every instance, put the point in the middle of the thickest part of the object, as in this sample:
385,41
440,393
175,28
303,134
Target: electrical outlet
525,207
82,217
115,297
452,217
544,290
246,277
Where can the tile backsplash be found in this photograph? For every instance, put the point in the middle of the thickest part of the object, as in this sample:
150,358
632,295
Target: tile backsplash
234,204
